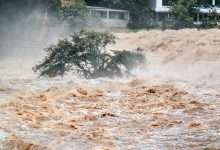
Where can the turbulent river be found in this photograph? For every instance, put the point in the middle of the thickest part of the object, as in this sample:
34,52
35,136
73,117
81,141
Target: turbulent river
163,106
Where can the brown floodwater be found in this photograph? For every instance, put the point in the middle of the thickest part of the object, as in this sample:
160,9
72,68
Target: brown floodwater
163,106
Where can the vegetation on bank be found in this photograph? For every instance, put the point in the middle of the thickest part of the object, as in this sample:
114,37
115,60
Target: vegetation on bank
86,54
183,12
184,15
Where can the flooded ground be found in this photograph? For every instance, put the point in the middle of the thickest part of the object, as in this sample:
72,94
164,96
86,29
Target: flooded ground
172,103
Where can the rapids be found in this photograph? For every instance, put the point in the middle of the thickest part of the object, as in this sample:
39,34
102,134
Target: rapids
171,103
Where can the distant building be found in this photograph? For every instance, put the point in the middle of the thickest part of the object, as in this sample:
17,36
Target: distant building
109,17
162,9
100,16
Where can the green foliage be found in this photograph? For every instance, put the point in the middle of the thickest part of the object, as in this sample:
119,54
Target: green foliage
210,21
87,55
128,59
168,23
204,3
183,11
75,15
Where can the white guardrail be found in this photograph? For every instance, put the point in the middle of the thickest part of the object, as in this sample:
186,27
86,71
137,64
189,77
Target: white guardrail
109,17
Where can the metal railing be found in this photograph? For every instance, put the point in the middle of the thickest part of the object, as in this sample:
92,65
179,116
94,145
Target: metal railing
110,17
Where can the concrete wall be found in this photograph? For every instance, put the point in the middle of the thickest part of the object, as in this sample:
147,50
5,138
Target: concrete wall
108,17
159,3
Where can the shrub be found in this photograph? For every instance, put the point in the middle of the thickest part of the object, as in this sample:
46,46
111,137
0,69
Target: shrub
211,21
183,11
75,15
87,55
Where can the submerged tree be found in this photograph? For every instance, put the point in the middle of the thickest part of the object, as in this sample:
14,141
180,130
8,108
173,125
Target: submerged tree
87,55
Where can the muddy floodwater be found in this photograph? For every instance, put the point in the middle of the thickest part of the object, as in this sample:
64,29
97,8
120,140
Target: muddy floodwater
164,106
